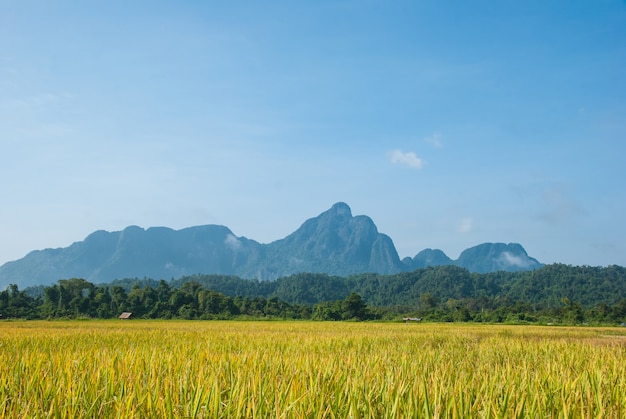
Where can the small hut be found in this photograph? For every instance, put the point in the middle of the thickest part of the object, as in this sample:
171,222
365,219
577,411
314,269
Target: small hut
126,315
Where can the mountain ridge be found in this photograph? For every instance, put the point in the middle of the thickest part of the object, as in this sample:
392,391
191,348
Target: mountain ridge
334,242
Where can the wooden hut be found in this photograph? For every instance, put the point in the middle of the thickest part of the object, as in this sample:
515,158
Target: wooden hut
126,315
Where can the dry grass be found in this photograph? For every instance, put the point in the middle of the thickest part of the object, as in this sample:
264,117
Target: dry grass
303,369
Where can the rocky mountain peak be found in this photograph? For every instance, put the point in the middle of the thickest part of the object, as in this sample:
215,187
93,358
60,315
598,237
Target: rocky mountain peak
341,209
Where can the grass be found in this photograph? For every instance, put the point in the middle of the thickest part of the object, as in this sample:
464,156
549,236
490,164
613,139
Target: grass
204,369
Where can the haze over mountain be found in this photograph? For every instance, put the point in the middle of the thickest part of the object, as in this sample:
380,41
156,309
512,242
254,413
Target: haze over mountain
335,242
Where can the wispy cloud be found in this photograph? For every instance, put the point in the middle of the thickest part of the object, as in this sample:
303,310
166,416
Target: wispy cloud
232,242
41,100
558,207
408,159
465,225
507,258
435,140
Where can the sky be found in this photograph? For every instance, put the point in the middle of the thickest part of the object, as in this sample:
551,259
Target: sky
449,123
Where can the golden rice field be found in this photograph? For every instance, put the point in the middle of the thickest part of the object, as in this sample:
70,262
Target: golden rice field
211,369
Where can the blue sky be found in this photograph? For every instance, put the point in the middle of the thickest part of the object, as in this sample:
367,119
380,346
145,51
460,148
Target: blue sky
449,123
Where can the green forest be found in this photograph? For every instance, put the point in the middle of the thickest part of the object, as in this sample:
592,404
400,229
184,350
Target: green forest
554,294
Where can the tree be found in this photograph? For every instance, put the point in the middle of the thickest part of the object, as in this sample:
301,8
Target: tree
329,310
572,312
75,296
118,299
428,301
135,301
354,308
17,304
101,304
164,292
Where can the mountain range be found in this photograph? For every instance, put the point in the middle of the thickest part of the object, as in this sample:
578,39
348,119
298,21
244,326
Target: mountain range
335,242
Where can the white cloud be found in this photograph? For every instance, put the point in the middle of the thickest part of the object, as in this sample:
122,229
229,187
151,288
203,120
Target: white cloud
435,140
232,242
466,225
512,260
408,159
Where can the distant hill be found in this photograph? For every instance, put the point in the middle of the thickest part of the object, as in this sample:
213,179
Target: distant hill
484,258
335,243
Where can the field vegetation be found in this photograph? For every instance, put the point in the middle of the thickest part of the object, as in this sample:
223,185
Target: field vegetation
294,369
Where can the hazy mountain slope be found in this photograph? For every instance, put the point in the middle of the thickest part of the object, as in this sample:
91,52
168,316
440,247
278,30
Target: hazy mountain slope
336,243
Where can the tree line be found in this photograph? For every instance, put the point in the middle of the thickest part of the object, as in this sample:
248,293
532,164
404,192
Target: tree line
553,294
78,298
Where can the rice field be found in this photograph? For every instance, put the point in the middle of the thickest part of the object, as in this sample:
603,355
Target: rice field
211,369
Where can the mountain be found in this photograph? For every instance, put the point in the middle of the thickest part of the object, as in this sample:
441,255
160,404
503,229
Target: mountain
157,252
492,257
428,257
335,242
484,258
